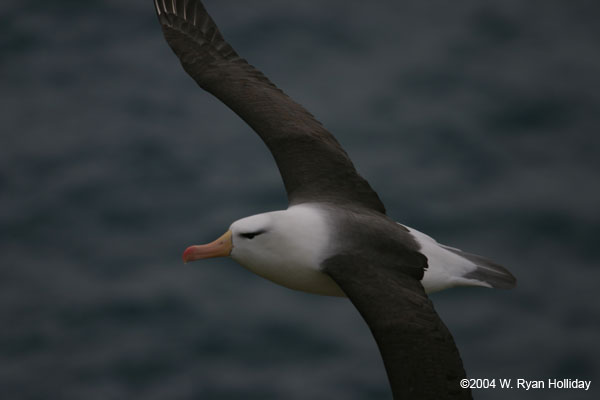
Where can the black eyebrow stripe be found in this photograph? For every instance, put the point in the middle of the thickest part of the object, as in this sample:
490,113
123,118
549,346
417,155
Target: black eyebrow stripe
250,235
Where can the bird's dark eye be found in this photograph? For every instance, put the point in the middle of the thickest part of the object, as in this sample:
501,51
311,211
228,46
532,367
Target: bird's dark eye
251,235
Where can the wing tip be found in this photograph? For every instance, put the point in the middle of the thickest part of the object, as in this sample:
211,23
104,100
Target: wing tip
188,10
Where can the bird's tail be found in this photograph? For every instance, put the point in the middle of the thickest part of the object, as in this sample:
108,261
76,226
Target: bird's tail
449,267
487,271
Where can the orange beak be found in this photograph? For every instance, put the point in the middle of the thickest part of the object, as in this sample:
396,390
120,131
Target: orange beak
219,248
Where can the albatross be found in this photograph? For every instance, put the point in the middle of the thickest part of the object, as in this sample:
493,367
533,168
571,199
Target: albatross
334,238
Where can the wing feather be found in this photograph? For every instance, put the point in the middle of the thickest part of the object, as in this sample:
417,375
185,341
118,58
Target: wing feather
313,165
418,351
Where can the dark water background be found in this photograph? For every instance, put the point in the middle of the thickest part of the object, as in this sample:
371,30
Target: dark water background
476,121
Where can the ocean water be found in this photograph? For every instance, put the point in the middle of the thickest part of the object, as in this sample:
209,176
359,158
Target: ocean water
477,122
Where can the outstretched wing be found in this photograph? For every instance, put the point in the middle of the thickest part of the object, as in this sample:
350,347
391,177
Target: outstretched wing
418,351
313,165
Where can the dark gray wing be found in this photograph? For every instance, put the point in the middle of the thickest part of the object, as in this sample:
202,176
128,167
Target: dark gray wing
313,165
419,353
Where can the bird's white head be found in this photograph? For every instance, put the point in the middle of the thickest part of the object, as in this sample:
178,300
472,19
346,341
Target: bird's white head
286,247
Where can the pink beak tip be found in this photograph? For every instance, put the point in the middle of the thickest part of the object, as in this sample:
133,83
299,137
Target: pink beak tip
186,254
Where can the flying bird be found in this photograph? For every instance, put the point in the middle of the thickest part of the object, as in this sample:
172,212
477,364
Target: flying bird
335,237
